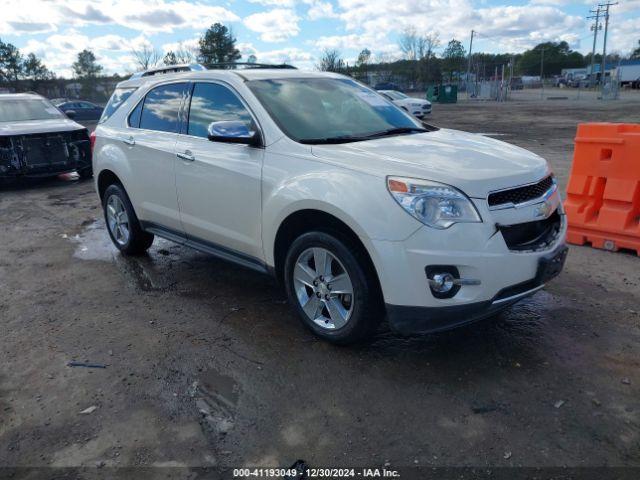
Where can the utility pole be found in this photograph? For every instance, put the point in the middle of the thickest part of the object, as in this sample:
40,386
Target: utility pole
542,72
604,46
595,27
469,64
511,65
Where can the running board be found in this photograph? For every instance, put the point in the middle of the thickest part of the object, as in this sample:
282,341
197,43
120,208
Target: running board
210,248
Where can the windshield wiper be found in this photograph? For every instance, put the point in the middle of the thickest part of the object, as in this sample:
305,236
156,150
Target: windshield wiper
351,138
333,140
397,131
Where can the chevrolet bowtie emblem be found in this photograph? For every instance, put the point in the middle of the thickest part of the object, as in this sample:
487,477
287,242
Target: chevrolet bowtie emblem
542,210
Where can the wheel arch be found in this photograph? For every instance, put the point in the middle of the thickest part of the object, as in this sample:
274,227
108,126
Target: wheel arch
312,219
105,178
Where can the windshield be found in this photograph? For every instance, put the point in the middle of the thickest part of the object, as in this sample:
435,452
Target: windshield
396,95
330,110
23,109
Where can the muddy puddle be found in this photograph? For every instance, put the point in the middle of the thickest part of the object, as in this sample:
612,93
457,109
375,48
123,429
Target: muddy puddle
215,395
146,272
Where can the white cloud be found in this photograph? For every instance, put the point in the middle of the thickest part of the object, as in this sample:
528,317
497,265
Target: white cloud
276,3
319,9
292,55
512,28
624,34
40,16
275,25
113,52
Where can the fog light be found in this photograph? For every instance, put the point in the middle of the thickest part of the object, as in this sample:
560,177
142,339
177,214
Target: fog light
441,282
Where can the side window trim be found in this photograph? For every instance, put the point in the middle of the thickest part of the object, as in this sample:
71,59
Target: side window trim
187,104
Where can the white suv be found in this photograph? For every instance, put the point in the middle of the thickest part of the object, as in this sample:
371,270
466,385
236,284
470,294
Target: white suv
361,211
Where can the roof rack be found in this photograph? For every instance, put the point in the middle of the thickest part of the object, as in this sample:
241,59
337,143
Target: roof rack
194,67
249,65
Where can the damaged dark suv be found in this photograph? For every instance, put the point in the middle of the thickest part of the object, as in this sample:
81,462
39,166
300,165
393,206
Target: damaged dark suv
38,140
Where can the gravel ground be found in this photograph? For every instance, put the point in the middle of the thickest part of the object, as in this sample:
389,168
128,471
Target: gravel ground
207,366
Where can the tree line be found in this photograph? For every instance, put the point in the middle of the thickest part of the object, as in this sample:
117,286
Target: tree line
420,65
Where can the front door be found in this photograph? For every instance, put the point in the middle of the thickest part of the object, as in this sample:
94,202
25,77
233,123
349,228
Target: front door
218,184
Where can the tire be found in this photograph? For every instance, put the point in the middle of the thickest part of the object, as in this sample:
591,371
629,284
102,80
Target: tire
338,317
85,173
136,241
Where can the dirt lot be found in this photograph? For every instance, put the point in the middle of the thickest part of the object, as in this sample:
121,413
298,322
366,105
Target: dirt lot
206,364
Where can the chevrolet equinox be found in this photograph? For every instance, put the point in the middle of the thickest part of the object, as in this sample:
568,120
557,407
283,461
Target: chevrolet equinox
362,212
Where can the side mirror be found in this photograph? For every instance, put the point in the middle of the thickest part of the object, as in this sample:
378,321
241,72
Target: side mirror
233,131
70,114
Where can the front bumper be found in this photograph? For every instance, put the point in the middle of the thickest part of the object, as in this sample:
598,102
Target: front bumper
407,320
420,112
44,154
478,251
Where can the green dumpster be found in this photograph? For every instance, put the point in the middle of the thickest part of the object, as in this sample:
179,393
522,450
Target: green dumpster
442,93
432,93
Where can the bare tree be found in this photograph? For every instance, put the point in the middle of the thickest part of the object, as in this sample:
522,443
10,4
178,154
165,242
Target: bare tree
184,54
384,72
428,43
146,57
418,48
331,62
409,43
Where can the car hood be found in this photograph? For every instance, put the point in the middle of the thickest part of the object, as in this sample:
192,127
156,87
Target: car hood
38,126
414,100
471,162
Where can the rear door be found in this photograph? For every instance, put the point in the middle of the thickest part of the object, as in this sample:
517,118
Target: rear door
219,183
150,140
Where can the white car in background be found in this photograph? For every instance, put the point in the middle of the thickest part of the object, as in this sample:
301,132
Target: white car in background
417,107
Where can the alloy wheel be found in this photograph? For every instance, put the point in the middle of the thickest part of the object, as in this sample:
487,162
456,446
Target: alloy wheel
323,288
118,220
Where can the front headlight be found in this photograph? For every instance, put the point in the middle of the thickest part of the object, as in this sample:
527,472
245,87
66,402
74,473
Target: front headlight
435,204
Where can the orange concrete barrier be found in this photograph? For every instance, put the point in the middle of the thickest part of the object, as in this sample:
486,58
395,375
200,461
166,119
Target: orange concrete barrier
603,194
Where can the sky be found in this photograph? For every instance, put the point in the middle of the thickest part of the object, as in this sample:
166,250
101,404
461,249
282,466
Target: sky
297,31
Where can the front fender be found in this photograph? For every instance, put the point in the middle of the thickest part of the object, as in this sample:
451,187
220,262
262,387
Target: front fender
359,200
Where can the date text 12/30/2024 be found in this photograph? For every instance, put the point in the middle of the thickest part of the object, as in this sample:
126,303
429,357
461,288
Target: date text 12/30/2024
330,473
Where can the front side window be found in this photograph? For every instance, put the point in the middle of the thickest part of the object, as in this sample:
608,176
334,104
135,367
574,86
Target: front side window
161,108
134,116
23,109
212,102
330,110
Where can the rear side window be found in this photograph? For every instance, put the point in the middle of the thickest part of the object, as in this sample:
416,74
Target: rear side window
211,102
119,96
161,108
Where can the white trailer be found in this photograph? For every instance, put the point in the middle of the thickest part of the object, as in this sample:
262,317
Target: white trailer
627,73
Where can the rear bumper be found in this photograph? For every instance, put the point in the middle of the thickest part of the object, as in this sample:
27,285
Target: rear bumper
407,320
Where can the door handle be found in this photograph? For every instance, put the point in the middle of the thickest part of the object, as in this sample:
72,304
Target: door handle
187,155
129,141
